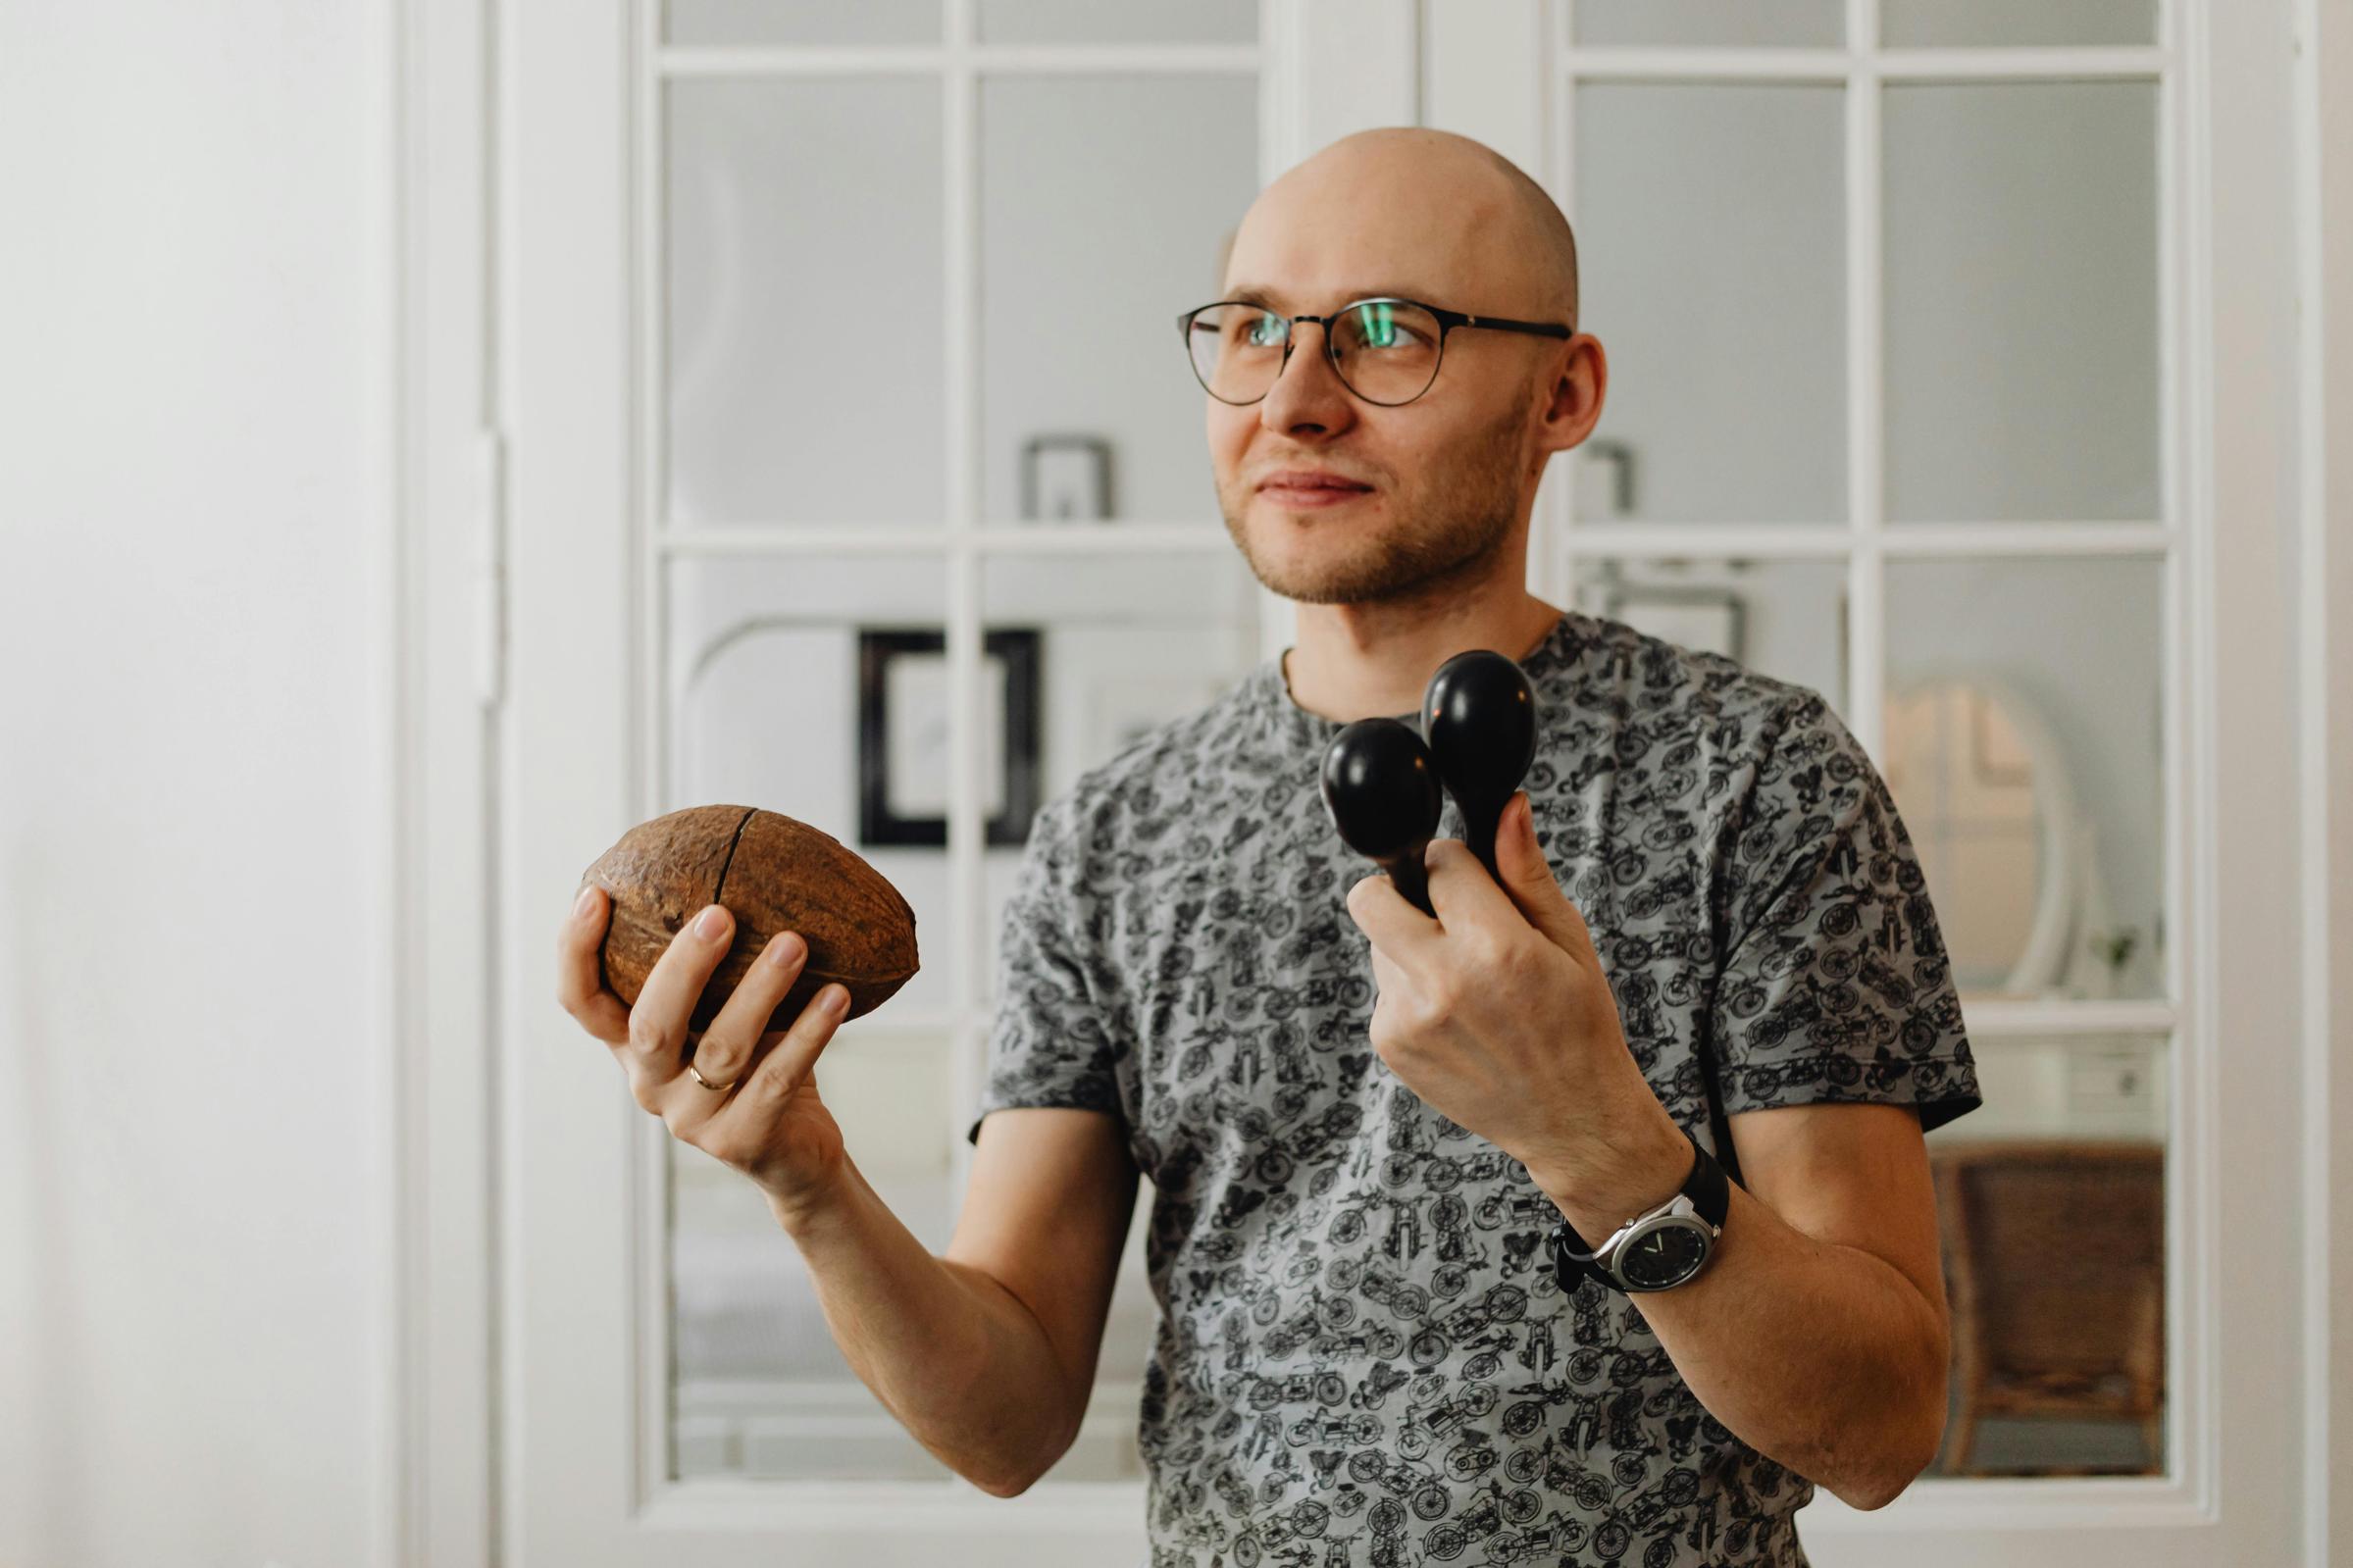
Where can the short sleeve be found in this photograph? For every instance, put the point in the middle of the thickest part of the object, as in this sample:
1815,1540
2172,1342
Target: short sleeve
1050,1042
1835,984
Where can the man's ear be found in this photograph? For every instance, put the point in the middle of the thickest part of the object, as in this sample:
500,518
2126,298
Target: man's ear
1579,377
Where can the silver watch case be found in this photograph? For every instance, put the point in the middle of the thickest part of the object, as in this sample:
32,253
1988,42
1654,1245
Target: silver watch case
1665,1247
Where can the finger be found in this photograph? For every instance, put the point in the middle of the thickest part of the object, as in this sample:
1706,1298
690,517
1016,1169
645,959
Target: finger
580,969
1534,887
1390,920
686,1106
664,1011
1565,925
777,1074
725,1048
1461,894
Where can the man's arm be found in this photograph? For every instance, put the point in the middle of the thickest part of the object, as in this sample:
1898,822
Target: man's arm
984,1353
1818,1332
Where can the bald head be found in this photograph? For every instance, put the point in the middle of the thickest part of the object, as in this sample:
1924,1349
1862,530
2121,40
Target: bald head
1446,479
1434,215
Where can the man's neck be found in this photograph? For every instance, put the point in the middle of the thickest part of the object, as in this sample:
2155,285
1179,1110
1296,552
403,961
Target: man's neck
1366,661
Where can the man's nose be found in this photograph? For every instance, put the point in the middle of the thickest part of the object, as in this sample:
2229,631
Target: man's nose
1308,390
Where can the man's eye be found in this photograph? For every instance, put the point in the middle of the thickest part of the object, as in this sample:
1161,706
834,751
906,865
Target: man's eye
1387,333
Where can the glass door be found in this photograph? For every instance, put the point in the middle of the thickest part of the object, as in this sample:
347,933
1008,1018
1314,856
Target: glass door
1898,302
857,452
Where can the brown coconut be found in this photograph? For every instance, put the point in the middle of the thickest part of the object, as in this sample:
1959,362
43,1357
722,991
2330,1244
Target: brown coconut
773,873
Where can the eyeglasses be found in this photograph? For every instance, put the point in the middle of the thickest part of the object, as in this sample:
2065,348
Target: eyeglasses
1385,351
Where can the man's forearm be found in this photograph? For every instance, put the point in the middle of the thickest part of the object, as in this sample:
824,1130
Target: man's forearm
950,1352
1820,1356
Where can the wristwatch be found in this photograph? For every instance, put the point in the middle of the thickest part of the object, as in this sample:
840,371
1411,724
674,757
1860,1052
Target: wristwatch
1659,1248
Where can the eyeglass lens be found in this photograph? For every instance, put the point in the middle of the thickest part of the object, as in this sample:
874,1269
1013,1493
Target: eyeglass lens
1385,353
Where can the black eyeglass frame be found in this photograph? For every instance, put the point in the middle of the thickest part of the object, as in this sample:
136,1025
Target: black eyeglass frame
1448,320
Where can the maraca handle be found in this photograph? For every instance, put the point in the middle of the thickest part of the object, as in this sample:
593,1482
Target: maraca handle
1413,880
1480,834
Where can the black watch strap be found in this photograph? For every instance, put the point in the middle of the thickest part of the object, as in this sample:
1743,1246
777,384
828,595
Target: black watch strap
1705,1185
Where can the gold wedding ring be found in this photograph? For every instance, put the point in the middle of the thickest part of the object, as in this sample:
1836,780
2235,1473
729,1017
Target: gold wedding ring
717,1088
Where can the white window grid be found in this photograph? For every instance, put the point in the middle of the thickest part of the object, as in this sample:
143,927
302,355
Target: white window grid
966,538
1866,541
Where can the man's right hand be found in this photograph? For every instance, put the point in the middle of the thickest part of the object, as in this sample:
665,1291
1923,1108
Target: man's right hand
765,1119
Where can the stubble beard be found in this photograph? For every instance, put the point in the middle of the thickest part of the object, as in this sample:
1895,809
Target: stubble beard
1420,553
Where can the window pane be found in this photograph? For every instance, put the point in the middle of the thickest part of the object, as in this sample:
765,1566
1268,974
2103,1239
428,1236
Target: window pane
2058,1358
1783,619
1819,23
2021,302
1905,24
774,24
2024,747
1710,226
1102,200
1128,643
764,705
805,267
1129,22
768,707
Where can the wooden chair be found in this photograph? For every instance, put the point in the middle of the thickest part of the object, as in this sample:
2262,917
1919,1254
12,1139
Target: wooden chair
2055,1266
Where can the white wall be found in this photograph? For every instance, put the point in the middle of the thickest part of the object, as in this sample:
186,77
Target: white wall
185,826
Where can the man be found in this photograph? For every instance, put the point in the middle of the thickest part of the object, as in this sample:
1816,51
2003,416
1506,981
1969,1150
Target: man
1708,947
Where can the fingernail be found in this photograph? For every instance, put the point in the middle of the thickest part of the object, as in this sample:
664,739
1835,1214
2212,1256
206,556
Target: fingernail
711,921
784,949
585,902
836,998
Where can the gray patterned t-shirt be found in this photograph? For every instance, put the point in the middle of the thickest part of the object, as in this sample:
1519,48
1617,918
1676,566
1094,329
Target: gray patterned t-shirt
1363,1357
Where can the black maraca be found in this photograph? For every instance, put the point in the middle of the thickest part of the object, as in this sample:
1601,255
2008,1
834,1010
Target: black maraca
1380,789
1479,714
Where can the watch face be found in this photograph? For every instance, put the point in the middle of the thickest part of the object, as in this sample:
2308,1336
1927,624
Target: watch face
1665,1255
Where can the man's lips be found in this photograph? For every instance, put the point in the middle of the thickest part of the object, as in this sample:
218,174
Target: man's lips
1308,477
1313,496
1312,487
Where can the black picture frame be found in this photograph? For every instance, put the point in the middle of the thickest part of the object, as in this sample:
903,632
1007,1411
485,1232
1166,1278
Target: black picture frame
1016,650
1087,455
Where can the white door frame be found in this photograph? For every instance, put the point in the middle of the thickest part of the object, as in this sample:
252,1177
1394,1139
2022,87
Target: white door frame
429,112
2322,120
475,1025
